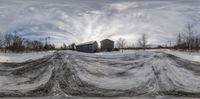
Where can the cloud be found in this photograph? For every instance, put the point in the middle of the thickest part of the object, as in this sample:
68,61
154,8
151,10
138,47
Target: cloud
84,20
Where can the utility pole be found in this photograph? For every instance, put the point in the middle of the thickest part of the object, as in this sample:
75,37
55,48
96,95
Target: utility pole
46,41
170,43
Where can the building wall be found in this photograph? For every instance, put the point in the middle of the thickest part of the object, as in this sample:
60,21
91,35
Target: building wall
107,45
89,48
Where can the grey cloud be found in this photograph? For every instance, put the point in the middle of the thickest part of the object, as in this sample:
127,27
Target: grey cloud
82,20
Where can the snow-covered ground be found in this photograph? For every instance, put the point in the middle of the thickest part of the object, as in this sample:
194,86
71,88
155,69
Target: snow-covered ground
191,56
131,69
22,57
131,73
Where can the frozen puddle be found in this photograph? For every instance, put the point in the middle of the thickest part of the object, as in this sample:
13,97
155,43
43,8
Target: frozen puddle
137,73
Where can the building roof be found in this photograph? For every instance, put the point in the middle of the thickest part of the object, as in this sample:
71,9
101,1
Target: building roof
86,43
107,40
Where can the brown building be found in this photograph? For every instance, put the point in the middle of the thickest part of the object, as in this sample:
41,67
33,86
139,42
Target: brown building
107,45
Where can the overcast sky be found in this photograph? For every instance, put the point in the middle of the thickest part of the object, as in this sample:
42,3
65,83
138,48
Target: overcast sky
85,20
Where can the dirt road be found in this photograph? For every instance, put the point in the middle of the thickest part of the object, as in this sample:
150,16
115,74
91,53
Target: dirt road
77,74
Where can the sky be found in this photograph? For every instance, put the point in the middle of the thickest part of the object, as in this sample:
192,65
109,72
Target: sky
67,21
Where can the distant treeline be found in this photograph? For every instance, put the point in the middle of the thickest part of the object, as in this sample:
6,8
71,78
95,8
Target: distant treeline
68,47
13,42
188,40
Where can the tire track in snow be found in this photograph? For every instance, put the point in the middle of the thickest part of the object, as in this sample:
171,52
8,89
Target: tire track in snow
162,73
76,74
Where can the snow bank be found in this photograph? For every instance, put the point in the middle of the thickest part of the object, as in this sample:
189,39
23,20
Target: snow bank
191,56
118,52
21,57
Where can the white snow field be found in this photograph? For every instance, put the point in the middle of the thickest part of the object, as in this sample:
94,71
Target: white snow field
192,56
22,57
128,74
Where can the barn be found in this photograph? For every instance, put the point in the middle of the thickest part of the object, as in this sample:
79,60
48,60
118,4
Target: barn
88,47
107,45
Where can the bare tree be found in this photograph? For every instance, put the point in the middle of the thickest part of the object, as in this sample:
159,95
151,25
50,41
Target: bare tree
142,42
179,40
28,45
14,42
197,43
63,47
1,41
8,40
37,45
189,39
18,43
72,46
121,43
189,34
